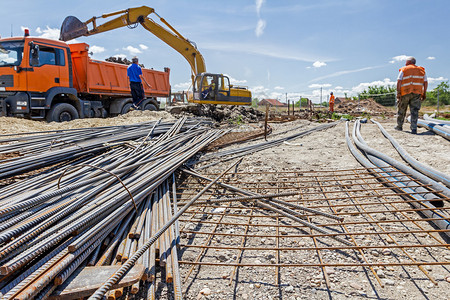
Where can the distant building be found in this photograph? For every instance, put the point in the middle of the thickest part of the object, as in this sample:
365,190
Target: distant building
271,102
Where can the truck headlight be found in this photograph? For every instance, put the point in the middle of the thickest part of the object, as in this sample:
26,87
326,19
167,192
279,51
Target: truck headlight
22,103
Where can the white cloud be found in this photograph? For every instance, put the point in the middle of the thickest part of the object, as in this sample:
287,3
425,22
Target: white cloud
262,92
261,24
269,50
259,30
143,47
236,81
340,73
183,86
96,49
259,4
317,85
278,88
318,64
398,58
48,33
364,85
132,50
431,58
338,87
432,80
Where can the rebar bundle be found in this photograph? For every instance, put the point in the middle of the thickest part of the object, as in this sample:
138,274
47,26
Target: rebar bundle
106,198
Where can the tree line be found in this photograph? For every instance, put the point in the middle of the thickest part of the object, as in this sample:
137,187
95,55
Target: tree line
386,95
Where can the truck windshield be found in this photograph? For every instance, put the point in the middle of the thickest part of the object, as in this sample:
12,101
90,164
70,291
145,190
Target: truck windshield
11,53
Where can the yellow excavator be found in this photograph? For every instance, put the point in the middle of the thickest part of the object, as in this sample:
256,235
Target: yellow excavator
208,88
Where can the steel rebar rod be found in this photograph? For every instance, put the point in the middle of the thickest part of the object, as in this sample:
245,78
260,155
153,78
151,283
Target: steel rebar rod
125,267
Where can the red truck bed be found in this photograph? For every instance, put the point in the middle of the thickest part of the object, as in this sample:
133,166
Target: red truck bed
107,78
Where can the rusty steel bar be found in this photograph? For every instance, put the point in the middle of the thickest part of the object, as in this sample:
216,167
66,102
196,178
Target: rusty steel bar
259,203
124,268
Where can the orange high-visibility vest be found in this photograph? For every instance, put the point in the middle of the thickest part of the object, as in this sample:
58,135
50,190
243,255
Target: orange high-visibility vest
413,79
332,99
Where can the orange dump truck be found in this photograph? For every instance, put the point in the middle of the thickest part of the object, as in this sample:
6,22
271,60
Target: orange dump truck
49,79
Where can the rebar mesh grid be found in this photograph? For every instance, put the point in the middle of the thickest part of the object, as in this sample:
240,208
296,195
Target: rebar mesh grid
228,241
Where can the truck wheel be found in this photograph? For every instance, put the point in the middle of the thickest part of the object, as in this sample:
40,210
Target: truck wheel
126,108
150,106
62,112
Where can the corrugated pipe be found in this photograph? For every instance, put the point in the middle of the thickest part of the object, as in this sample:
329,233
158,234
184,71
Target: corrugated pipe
388,178
395,173
441,129
428,118
399,166
427,170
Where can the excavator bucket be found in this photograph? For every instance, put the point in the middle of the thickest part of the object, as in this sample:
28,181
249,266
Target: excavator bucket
72,28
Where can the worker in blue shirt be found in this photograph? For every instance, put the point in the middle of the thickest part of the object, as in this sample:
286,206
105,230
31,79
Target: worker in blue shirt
134,73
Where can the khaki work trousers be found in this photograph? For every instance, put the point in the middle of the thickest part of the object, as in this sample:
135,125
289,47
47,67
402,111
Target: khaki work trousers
414,102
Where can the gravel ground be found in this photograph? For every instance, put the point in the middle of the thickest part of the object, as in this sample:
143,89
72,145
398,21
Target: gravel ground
327,149
320,151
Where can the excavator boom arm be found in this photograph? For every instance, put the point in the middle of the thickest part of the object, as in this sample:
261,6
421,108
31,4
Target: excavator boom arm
178,43
132,17
73,28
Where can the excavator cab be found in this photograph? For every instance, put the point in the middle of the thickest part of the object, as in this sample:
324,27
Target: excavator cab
212,88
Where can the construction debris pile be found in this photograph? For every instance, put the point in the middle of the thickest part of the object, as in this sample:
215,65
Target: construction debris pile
349,106
230,114
19,125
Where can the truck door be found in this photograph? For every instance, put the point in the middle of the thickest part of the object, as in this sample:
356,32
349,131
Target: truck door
47,67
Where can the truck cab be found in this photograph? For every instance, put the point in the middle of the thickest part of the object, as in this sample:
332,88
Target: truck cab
33,72
49,79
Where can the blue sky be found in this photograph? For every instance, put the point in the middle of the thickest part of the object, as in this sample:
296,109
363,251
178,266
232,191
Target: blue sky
273,47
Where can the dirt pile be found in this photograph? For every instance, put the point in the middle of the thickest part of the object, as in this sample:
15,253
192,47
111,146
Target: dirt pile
232,114
350,106
10,125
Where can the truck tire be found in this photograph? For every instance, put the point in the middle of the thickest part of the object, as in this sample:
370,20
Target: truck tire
62,112
150,106
126,108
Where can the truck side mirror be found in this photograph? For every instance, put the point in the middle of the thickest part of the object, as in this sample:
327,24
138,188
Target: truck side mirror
34,49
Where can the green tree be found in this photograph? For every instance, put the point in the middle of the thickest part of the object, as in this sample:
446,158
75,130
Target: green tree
255,102
384,95
444,94
304,102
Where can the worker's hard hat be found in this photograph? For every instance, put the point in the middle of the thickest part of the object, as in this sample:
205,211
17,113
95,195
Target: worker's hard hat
331,93
411,59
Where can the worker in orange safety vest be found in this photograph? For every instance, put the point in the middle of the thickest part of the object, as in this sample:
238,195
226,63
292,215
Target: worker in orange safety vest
331,102
411,90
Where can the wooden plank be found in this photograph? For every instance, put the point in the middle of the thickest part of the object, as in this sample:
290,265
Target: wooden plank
85,282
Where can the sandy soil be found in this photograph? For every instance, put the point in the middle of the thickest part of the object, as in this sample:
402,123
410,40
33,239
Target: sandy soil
327,149
15,125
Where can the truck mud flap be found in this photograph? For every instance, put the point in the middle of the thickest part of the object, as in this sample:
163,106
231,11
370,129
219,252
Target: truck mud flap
2,108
